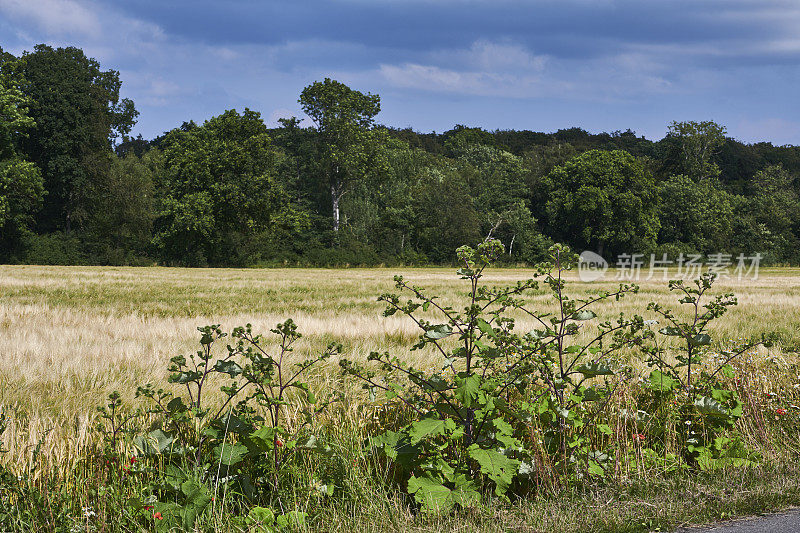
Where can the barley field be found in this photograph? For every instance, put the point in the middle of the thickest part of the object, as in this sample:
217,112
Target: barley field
71,335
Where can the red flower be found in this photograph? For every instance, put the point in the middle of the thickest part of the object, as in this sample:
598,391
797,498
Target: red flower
158,516
278,442
133,460
638,436
780,411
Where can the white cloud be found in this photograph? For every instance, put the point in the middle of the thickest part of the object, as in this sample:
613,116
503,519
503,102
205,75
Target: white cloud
489,56
433,78
486,68
509,70
55,17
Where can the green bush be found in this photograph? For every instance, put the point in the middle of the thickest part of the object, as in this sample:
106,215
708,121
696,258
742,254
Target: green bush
53,249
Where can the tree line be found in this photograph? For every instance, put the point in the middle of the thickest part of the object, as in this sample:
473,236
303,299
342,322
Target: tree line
76,188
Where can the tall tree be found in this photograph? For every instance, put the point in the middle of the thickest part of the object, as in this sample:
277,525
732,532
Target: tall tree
689,148
78,113
696,214
21,188
344,120
119,228
605,201
447,215
772,215
219,191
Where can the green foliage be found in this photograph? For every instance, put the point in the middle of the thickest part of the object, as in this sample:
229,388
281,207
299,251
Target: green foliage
697,214
687,384
238,447
78,112
603,200
346,146
691,146
53,249
772,212
469,424
349,191
119,230
510,414
21,188
218,189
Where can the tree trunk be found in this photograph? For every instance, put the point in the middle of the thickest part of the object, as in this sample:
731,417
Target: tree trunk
335,201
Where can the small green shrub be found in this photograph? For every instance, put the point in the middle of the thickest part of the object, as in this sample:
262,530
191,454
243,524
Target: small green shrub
686,386
198,449
470,426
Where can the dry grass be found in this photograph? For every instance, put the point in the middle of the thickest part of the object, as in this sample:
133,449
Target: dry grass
70,335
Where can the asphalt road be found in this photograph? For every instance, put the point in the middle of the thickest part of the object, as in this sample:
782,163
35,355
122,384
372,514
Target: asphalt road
785,522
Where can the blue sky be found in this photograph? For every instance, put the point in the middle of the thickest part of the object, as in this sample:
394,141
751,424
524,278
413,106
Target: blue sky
542,65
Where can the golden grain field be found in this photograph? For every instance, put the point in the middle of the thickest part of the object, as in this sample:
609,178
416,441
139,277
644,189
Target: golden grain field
70,335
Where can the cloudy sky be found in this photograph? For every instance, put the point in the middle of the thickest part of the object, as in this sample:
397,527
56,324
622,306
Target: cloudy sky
603,65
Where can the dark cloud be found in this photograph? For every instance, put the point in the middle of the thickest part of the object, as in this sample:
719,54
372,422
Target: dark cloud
534,64
570,29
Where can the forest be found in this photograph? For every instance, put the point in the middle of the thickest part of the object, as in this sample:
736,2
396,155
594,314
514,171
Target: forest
339,188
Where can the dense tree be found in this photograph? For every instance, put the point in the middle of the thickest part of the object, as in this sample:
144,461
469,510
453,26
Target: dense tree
462,138
21,187
218,190
446,214
696,216
771,215
78,113
501,191
690,148
345,139
120,226
604,201
75,187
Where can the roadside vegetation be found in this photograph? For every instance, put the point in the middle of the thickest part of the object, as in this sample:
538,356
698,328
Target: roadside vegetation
490,400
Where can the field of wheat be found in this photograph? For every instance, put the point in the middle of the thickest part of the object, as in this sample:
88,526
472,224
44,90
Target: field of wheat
71,335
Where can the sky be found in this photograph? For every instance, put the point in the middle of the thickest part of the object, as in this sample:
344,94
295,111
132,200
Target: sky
542,65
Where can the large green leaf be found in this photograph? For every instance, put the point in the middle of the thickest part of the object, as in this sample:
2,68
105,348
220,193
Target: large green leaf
197,498
709,406
430,494
439,332
228,367
261,520
583,314
485,327
464,492
154,443
467,389
496,466
662,382
429,427
230,454
263,439
397,447
701,340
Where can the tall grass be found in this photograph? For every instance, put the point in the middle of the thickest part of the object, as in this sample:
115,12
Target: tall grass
71,335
